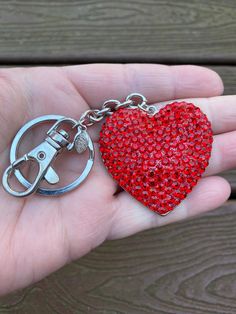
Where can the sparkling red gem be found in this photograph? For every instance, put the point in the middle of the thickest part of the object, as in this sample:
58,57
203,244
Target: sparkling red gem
157,159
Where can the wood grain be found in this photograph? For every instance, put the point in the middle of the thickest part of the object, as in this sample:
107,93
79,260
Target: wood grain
196,31
189,267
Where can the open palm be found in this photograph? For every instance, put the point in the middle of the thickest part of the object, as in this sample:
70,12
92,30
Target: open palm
40,234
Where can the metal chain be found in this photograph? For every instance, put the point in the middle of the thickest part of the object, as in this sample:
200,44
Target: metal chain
92,116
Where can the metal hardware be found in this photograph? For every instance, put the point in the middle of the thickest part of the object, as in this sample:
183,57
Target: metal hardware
58,140
133,101
44,154
141,102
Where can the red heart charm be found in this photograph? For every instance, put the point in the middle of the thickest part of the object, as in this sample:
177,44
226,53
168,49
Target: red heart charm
157,159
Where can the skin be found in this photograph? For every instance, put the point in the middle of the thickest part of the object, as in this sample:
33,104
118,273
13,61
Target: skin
39,235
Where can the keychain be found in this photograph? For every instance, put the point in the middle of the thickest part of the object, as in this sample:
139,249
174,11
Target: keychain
156,155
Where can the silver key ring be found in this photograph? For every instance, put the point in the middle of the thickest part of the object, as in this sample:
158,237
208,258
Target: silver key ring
43,191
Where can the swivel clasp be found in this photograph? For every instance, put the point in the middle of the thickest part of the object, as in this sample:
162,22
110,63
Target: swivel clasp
43,154
64,134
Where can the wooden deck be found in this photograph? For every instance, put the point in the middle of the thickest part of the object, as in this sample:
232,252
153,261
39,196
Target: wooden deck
188,267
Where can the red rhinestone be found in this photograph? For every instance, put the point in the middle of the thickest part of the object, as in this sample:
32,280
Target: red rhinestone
157,159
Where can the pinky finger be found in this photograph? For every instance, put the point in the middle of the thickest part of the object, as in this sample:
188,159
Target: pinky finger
132,217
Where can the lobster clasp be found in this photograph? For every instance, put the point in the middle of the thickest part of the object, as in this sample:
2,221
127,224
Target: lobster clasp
43,154
57,140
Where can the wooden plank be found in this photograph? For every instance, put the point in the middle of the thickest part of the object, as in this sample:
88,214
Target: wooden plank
185,268
228,74
195,31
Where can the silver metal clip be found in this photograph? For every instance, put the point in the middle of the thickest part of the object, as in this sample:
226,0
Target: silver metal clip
44,154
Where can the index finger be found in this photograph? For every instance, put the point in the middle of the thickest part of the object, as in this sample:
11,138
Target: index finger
99,82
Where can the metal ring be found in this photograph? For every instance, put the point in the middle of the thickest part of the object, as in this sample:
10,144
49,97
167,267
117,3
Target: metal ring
43,191
124,104
137,99
111,104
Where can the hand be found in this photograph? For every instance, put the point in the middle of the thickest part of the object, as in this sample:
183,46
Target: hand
38,234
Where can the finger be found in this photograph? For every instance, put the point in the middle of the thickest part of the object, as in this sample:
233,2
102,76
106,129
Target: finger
99,82
223,155
132,216
221,111
13,106
30,92
37,91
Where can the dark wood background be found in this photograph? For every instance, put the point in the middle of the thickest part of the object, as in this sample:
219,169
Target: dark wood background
188,267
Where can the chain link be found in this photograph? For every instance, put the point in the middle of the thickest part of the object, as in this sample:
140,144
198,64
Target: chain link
92,116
